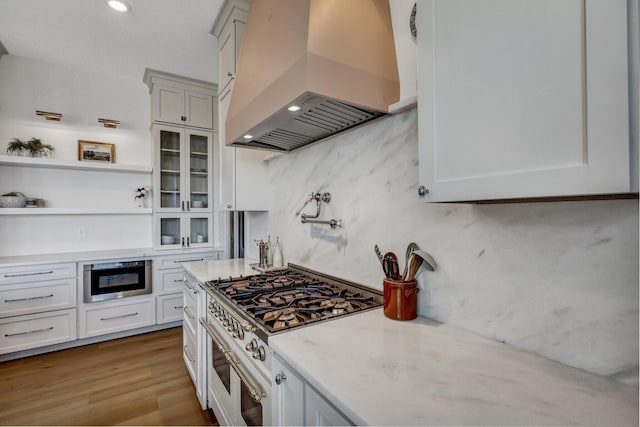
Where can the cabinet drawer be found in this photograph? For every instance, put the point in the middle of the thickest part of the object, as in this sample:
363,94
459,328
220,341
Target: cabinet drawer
26,298
176,261
170,281
189,353
37,330
120,317
169,308
190,311
33,273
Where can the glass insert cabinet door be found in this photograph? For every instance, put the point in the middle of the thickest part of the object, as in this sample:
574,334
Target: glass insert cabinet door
199,145
170,169
183,230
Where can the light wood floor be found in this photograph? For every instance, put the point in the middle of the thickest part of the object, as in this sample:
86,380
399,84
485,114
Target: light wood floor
138,380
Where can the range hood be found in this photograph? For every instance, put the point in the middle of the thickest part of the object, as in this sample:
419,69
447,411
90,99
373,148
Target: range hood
332,61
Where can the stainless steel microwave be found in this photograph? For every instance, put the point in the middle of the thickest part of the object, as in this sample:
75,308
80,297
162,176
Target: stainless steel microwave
110,280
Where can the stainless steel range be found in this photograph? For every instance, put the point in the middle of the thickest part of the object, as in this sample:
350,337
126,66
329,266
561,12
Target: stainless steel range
243,312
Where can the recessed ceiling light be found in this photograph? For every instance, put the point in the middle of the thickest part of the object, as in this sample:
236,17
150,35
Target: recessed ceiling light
119,5
293,108
247,136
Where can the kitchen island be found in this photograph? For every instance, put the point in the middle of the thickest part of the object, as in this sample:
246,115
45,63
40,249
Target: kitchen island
378,371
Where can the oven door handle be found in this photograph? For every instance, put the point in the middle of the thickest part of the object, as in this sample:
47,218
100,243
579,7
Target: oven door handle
256,393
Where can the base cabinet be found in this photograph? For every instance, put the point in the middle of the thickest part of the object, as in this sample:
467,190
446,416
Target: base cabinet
37,306
194,337
37,330
295,402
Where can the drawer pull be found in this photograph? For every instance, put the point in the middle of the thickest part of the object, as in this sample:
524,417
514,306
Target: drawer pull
178,280
29,274
29,332
186,353
119,317
188,285
188,313
188,260
178,307
28,299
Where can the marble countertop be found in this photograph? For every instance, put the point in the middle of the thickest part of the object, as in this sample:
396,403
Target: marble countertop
210,270
379,371
12,261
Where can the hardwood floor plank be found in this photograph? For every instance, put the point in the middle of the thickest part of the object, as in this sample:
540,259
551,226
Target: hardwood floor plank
140,380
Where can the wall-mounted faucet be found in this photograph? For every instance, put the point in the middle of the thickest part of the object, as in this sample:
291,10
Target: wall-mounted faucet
319,198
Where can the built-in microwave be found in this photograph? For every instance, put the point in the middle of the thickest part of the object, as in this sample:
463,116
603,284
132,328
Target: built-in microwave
116,279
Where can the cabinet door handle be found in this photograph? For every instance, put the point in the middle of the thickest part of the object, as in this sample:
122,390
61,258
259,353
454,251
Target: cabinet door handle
183,118
280,378
182,241
182,204
119,317
29,332
188,205
29,274
28,299
186,353
188,313
188,241
229,206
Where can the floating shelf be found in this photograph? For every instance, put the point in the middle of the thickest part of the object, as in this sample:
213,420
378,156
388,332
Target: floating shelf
72,164
75,211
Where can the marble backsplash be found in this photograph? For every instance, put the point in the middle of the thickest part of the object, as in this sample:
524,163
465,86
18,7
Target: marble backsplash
557,278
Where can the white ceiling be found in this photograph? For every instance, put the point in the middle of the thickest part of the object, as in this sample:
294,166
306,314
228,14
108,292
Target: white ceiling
167,35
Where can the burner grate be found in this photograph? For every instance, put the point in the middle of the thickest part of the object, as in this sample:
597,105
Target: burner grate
288,298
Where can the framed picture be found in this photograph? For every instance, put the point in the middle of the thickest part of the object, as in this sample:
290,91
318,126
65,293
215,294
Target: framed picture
91,151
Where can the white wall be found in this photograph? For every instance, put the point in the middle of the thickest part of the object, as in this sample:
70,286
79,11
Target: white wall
557,278
81,96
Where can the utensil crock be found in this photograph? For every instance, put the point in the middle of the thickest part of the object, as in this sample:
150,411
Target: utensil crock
400,299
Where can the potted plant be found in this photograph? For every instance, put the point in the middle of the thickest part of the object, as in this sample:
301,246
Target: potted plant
38,149
17,147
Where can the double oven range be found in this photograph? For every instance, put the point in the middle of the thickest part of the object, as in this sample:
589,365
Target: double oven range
244,312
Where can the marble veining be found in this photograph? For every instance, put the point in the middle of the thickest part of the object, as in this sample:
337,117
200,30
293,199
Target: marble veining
557,278
379,371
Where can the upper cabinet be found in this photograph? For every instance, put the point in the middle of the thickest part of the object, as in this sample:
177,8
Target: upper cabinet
184,133
175,101
241,173
522,99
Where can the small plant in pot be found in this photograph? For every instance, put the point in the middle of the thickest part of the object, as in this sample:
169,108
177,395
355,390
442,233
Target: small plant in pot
38,149
17,147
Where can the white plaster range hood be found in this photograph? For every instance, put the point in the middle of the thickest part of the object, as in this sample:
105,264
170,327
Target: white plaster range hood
334,59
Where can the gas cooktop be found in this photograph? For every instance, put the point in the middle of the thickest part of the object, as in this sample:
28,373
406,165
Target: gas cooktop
293,297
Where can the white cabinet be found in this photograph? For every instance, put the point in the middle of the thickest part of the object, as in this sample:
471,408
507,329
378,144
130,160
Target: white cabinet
287,396
37,306
37,330
183,166
522,98
183,231
180,101
194,338
241,172
168,285
169,308
295,402
119,315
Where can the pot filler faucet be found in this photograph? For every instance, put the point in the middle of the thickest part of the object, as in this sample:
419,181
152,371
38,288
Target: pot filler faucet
319,198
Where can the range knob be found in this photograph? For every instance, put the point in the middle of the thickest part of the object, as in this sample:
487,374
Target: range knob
259,354
252,346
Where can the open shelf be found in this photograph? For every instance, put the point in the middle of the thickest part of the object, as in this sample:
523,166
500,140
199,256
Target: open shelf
75,211
72,164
